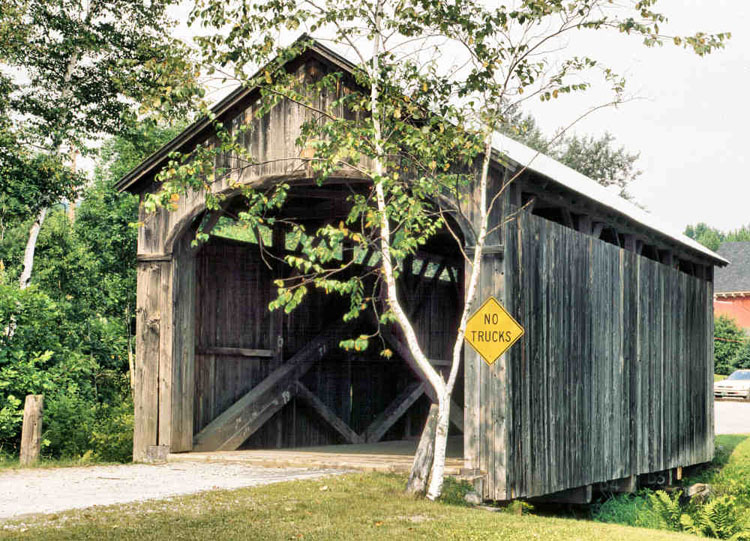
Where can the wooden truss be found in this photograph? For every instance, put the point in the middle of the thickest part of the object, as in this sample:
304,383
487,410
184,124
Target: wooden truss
248,414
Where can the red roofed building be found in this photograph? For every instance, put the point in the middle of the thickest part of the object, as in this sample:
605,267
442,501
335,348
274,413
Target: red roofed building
732,284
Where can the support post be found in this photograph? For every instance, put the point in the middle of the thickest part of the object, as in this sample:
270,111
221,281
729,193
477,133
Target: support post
31,432
147,347
596,229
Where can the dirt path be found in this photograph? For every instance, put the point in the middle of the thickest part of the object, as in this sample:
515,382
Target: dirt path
49,490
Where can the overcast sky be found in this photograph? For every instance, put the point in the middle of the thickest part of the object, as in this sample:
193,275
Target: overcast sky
691,125
690,122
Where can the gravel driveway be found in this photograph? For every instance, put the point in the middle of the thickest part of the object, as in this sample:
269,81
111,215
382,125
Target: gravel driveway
49,490
732,417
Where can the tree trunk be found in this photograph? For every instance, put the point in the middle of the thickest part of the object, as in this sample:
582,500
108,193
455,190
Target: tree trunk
423,458
441,443
28,256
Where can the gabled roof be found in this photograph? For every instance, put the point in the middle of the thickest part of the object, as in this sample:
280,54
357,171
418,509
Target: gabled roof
518,154
736,277
199,129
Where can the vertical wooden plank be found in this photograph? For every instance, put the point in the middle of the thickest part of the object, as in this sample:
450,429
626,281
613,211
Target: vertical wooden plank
710,428
471,405
166,374
183,347
630,339
642,414
589,386
147,358
499,390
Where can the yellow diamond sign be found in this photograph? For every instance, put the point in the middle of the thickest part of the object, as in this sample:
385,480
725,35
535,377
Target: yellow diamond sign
492,330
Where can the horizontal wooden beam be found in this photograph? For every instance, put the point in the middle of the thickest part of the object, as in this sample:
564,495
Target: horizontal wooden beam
394,412
625,485
153,257
486,249
236,352
333,420
230,429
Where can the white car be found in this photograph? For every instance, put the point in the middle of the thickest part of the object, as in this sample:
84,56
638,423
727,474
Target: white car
735,386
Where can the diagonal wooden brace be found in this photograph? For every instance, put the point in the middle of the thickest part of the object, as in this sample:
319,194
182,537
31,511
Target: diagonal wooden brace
393,412
327,415
230,429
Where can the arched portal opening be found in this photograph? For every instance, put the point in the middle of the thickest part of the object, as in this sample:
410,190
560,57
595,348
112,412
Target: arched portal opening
273,380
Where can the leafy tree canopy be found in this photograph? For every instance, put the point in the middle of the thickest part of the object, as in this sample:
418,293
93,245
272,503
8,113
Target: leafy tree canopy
712,238
88,67
599,158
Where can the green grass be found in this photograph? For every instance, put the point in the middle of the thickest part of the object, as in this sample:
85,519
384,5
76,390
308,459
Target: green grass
356,506
8,462
719,377
728,474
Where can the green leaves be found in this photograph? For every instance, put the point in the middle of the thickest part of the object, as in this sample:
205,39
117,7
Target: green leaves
360,343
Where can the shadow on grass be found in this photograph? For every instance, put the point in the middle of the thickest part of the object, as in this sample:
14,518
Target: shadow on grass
725,446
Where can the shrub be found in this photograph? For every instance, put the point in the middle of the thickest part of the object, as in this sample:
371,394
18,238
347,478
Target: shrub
629,509
742,357
667,508
80,394
112,434
719,518
729,338
454,491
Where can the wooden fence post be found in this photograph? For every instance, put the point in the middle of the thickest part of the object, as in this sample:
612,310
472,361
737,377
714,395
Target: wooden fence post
31,433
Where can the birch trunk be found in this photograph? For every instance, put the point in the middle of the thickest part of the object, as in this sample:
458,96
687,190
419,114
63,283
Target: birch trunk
28,255
422,465
28,258
441,443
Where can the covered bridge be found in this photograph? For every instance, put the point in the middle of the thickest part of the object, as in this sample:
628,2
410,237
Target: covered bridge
612,379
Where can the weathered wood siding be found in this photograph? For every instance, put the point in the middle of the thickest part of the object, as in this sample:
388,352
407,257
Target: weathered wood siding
613,376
